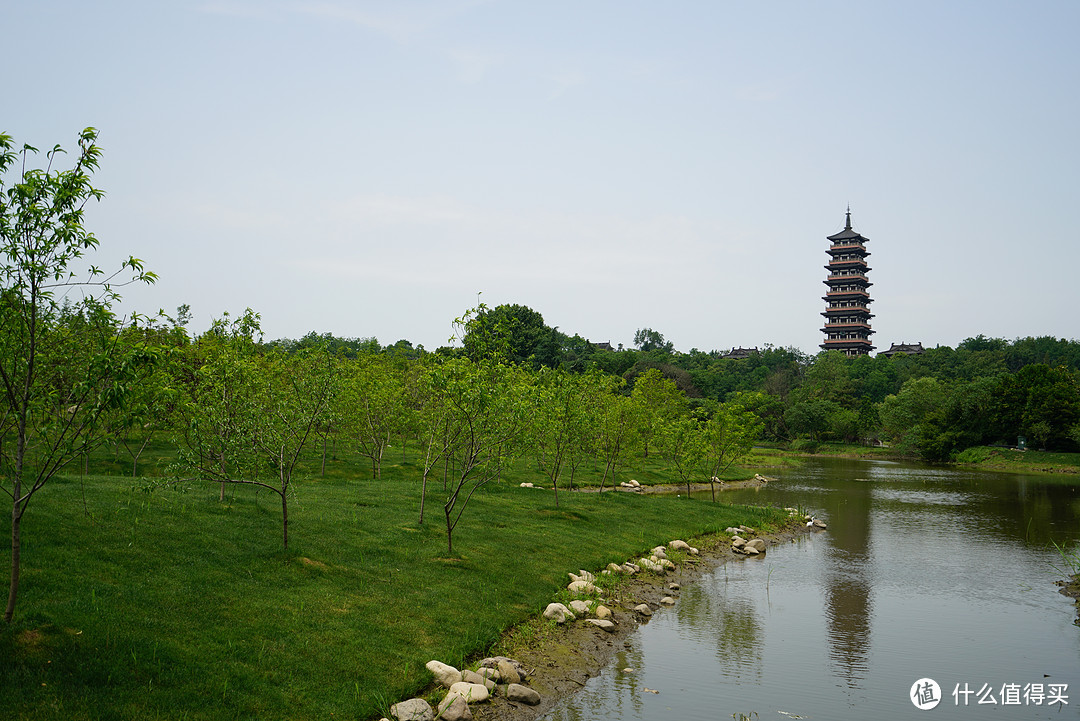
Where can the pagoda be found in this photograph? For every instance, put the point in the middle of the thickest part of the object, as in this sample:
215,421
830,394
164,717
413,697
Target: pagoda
847,313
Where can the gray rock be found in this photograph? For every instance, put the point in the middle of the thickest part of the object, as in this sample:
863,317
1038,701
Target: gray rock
659,552
667,601
603,624
415,709
818,523
731,531
558,613
471,692
643,609
508,672
615,568
579,607
603,612
475,677
489,673
492,662
751,551
756,543
650,565
679,545
738,541
454,708
581,587
523,694
673,586
444,673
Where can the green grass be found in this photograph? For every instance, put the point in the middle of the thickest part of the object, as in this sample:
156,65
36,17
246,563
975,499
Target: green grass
1007,459
172,605
788,454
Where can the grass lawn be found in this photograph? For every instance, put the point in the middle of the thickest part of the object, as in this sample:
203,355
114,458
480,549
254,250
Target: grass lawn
1007,459
169,604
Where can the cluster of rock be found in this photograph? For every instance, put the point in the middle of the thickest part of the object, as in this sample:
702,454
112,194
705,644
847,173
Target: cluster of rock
745,546
582,583
496,675
630,485
506,677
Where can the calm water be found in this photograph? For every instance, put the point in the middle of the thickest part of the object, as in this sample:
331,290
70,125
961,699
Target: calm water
924,572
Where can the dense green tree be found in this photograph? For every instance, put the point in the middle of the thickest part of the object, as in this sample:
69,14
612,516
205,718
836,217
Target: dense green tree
659,402
60,369
902,413
728,435
682,442
1041,402
560,421
812,417
249,412
370,405
517,331
617,423
648,340
219,382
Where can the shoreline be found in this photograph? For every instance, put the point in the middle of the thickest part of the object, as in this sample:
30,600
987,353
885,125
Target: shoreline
562,658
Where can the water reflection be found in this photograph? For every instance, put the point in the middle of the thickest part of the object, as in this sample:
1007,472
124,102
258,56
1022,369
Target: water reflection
924,571
848,579
730,621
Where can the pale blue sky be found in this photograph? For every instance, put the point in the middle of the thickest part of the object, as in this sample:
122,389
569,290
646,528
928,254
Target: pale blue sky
365,168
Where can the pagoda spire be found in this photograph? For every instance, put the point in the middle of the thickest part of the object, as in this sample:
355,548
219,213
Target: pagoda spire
847,223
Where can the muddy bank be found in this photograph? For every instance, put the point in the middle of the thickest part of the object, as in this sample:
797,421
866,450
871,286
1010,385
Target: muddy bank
562,658
1071,588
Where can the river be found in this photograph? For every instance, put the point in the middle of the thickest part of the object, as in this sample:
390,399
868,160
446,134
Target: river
925,572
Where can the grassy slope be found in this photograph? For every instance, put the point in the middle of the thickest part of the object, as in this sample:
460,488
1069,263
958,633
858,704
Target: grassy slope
170,604
1006,459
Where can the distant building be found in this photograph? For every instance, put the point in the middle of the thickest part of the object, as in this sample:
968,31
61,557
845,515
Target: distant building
903,349
605,345
740,353
847,315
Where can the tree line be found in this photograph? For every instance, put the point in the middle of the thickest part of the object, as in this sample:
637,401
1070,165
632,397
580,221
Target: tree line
239,410
986,391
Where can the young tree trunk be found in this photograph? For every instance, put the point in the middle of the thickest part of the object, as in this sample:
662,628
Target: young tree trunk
285,520
449,532
16,547
423,494
16,516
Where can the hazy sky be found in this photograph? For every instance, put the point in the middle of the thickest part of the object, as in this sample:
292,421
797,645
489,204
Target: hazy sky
366,168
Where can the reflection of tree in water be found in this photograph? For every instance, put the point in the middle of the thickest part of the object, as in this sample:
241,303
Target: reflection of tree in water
612,695
717,611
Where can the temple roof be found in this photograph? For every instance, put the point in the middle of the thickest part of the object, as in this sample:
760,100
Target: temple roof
847,233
